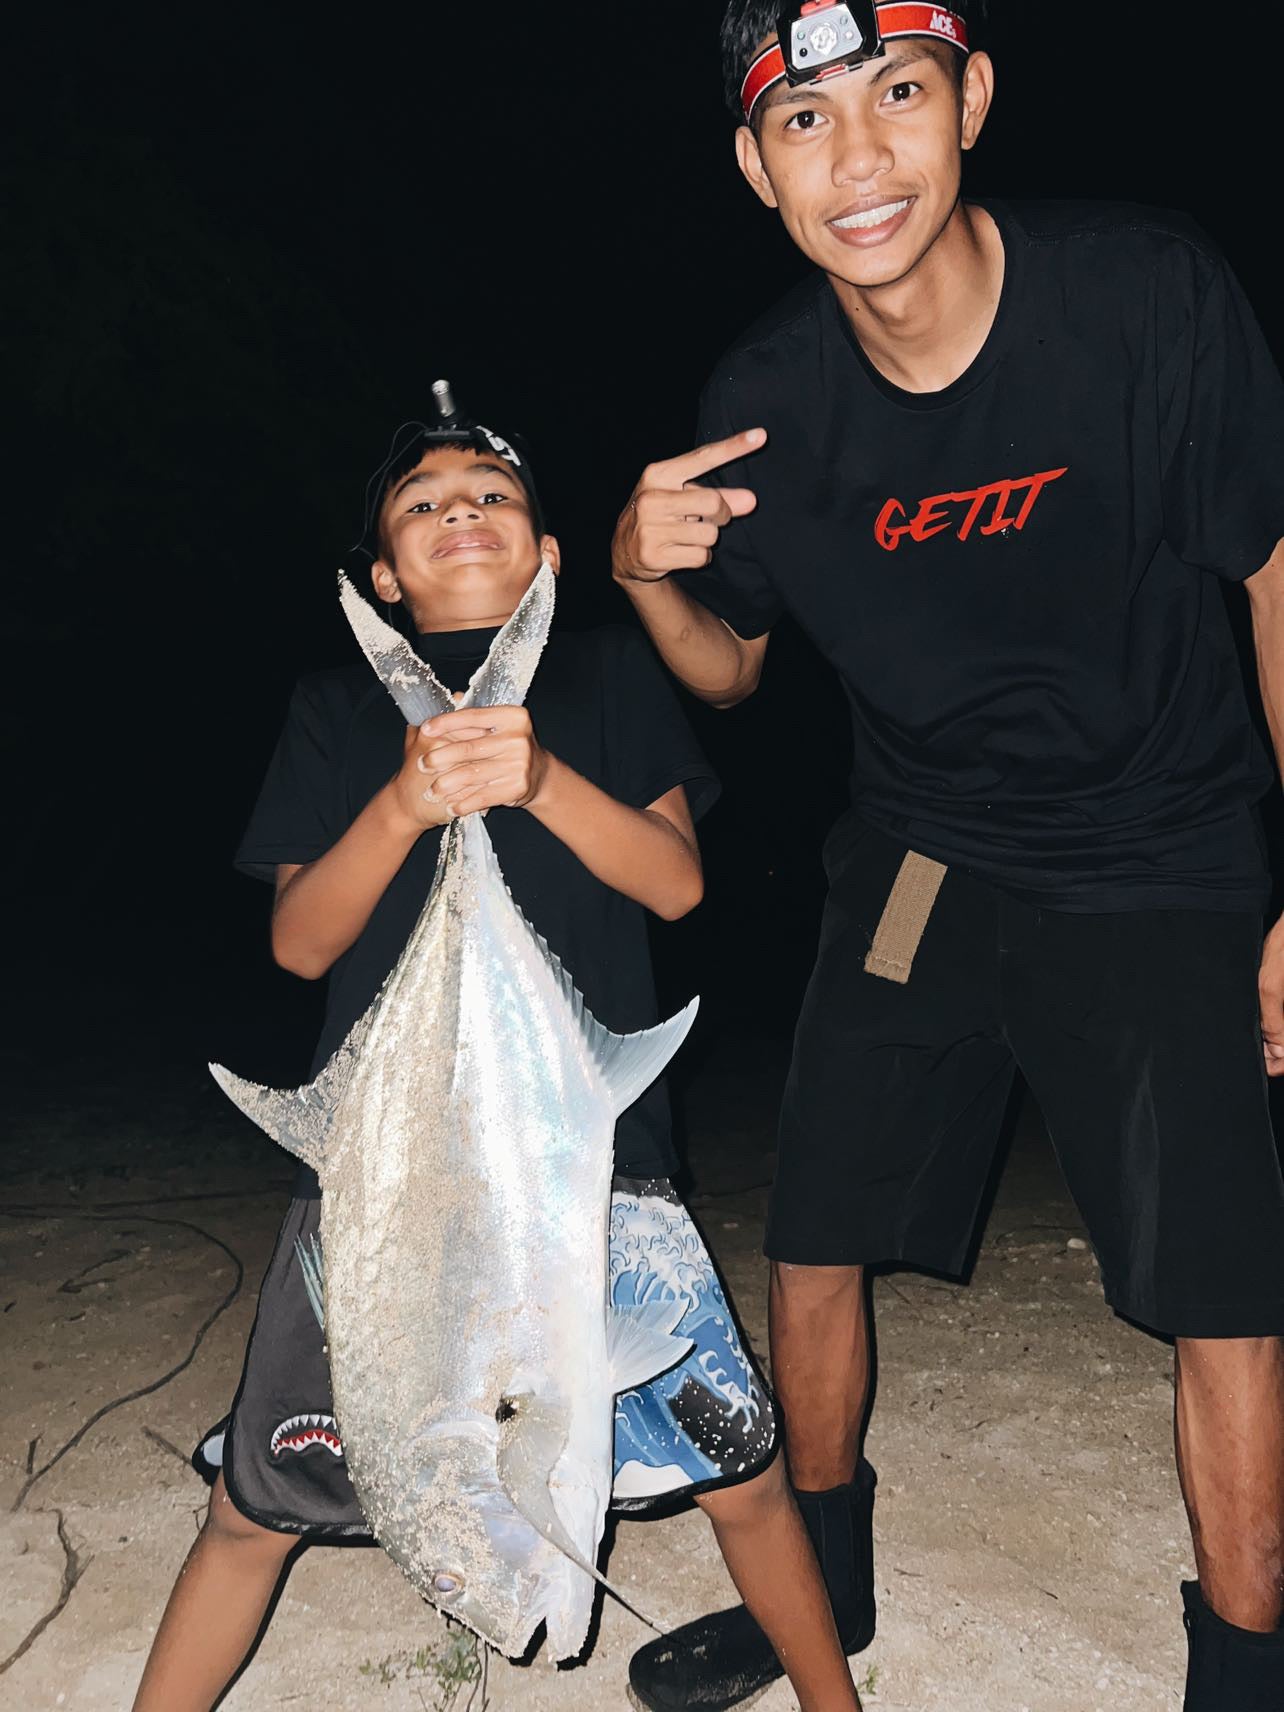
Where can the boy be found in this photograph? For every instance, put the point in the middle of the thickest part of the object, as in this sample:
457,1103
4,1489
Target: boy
1006,455
592,790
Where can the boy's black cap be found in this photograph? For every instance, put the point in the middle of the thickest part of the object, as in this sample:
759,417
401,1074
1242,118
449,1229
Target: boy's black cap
451,427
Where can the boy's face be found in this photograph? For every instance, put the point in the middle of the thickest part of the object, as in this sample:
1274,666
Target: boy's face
459,546
865,167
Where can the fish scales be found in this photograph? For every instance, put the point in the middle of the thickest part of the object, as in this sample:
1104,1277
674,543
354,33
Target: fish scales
463,1138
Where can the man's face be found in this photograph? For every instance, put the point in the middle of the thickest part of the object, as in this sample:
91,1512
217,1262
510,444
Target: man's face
865,167
459,545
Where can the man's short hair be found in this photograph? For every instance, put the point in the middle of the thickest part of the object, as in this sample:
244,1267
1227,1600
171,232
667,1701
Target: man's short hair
746,24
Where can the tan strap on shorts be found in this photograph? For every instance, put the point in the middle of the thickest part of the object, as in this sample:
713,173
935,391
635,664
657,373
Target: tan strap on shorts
905,914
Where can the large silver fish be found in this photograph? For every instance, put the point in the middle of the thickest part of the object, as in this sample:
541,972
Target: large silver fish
463,1138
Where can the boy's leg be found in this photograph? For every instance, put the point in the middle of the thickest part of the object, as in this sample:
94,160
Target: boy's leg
215,1610
767,1550
1230,1456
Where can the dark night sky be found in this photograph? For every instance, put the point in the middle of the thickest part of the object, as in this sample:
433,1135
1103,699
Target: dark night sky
243,253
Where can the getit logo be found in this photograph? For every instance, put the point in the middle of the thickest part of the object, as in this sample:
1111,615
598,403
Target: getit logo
1010,504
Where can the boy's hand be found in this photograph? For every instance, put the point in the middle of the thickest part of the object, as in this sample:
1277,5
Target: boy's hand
409,786
481,758
671,523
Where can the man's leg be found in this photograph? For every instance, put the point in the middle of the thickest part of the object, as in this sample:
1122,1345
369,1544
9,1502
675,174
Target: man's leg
820,1368
216,1609
1230,1458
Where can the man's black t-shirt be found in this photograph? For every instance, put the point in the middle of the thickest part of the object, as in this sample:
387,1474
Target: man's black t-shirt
1016,577
601,703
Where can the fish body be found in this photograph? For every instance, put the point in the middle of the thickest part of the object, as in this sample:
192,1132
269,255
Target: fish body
463,1136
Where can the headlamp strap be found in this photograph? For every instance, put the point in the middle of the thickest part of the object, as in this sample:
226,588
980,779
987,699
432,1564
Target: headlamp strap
896,18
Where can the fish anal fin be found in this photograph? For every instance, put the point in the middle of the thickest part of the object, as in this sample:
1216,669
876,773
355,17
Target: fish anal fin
298,1118
640,1343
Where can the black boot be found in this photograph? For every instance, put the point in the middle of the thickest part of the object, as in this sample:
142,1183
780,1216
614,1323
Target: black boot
1231,1670
724,1660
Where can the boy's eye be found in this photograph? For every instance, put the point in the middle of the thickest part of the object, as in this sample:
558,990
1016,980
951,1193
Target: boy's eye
900,92
492,499
807,120
424,505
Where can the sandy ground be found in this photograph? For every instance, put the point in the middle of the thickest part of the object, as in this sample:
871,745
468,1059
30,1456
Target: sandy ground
1030,1533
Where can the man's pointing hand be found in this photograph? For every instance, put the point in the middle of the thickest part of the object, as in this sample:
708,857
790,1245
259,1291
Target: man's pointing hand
671,523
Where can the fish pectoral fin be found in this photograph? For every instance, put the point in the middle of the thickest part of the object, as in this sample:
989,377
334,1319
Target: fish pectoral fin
412,684
640,1343
531,1442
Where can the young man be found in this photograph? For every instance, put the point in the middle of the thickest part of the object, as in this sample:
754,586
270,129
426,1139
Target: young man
591,789
996,462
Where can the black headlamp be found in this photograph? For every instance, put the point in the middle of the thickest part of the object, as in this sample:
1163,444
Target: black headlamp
824,38
451,427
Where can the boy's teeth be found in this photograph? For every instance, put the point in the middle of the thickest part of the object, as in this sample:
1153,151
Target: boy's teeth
872,216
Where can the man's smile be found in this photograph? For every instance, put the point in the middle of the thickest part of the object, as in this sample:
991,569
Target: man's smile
867,223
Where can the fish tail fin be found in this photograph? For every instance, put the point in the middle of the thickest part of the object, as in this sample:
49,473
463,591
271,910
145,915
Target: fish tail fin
531,1442
629,1063
504,677
412,684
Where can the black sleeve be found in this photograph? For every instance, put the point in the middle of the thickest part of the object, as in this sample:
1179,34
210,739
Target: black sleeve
1222,416
298,814
649,746
735,586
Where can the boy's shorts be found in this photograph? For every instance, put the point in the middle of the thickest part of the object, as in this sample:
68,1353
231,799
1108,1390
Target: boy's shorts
707,1422
1138,1034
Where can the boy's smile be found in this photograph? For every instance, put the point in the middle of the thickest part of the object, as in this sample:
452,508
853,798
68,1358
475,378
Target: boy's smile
457,540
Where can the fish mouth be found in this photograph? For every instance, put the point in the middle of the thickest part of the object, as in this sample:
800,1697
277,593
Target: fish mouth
301,1432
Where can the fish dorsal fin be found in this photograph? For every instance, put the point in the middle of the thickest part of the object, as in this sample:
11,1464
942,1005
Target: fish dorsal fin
628,1063
640,1343
298,1118
631,1062
531,1442
411,683
504,677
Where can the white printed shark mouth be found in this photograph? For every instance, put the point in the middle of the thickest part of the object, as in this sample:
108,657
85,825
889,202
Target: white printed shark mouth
301,1432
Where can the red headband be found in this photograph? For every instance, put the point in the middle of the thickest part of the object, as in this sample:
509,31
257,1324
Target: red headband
896,18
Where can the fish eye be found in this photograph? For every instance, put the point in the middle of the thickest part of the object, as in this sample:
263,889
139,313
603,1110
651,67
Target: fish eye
447,1583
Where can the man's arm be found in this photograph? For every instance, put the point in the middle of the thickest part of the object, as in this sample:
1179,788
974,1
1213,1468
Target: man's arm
1266,598
670,524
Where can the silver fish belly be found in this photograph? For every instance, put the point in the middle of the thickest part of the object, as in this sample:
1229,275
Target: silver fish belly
463,1138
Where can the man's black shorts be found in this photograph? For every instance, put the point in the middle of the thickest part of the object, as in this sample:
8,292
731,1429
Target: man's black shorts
1138,1034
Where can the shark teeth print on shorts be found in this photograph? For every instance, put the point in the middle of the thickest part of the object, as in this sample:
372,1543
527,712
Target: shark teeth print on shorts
301,1432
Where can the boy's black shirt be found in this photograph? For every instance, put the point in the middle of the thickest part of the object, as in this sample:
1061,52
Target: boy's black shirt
601,703
1042,679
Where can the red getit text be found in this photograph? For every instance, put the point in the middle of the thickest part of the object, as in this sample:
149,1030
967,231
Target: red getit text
1009,506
